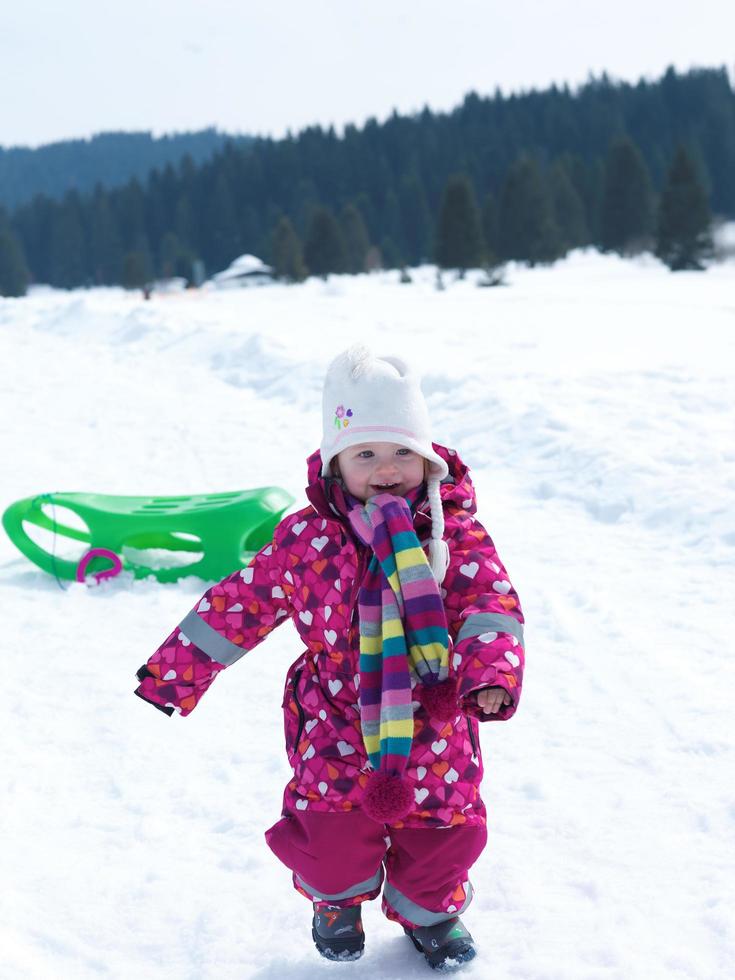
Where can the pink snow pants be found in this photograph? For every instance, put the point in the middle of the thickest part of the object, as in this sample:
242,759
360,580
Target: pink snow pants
338,859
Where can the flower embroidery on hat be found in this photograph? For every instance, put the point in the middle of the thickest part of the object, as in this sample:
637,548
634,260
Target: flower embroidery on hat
342,417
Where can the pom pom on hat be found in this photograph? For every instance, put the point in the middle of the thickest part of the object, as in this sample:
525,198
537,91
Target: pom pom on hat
357,359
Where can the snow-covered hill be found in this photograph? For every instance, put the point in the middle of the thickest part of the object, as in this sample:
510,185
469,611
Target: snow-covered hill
594,403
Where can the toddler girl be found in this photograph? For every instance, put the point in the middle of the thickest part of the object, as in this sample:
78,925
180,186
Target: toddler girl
413,634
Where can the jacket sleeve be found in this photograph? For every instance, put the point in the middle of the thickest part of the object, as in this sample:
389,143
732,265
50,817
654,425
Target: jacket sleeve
230,619
484,618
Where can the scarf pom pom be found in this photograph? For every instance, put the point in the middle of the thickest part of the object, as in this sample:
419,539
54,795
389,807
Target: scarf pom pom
387,797
440,700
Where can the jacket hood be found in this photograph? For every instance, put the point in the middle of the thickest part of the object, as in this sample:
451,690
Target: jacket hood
455,489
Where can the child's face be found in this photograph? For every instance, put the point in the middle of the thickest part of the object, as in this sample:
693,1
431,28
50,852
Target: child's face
379,467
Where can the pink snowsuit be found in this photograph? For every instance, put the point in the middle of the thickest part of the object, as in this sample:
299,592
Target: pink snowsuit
311,573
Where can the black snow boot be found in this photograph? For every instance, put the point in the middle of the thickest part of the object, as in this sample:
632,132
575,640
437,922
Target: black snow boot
446,946
338,932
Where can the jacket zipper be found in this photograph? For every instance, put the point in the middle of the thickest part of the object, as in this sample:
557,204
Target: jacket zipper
302,716
471,730
359,576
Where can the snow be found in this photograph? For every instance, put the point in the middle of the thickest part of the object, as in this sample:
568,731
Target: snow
724,239
594,403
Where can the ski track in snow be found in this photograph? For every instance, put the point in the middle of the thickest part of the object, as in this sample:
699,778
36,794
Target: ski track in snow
594,403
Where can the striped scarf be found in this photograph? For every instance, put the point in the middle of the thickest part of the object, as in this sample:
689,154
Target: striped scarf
403,627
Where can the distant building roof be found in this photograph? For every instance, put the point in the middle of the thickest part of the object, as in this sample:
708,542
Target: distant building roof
245,268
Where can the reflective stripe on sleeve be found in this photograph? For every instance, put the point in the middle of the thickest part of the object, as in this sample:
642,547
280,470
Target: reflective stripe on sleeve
362,887
209,641
416,913
479,623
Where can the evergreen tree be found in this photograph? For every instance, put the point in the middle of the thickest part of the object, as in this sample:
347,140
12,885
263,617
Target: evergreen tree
286,253
324,250
683,240
187,213
185,266
390,255
369,215
224,241
306,204
136,271
528,231
129,205
184,226
627,209
254,235
391,224
588,179
415,218
568,209
355,238
107,158
490,227
105,245
30,226
14,276
459,242
594,198
67,258
172,258
373,259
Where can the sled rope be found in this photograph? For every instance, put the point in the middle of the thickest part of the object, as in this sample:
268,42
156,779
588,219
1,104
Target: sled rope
49,497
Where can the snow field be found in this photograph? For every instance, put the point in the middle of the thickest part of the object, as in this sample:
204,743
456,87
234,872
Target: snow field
593,402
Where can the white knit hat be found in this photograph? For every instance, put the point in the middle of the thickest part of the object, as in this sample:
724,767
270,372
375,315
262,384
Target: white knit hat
379,399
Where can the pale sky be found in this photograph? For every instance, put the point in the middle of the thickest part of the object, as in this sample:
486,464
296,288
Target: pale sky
77,67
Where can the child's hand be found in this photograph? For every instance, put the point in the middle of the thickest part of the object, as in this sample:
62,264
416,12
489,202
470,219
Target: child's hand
492,699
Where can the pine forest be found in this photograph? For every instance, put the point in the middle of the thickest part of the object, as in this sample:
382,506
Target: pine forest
526,177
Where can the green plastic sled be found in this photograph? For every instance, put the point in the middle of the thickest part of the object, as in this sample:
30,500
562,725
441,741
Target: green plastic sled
227,527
